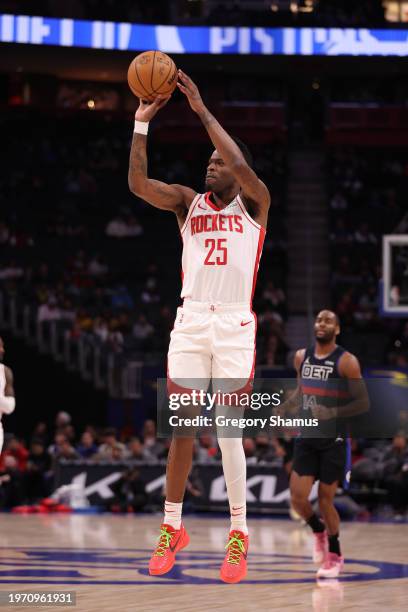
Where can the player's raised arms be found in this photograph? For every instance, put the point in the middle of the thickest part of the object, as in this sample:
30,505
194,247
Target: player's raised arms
176,198
253,191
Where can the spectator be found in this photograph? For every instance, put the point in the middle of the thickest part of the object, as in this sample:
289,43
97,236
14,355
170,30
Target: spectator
150,441
142,330
149,293
11,484
63,418
15,448
137,452
110,446
66,451
97,267
118,453
267,450
133,227
207,449
49,311
117,228
129,493
55,448
396,474
101,329
115,339
87,447
121,298
40,433
38,465
67,312
274,296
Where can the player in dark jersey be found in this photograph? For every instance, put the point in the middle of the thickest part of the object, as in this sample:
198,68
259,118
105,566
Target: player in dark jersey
330,388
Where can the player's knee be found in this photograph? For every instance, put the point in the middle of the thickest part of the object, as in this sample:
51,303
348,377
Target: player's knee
298,498
325,498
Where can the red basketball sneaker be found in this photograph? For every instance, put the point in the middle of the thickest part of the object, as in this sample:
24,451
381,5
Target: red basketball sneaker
234,567
170,542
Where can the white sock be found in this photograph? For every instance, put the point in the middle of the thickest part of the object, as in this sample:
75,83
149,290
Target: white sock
172,514
234,466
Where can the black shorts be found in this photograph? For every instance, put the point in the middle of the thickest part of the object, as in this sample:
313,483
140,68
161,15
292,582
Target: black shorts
324,459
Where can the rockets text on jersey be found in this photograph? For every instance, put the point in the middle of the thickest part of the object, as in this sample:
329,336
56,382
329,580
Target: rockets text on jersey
221,252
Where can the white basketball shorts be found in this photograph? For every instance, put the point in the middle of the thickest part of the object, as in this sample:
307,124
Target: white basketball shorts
212,341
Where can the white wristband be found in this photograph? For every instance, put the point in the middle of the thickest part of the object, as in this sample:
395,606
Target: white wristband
141,127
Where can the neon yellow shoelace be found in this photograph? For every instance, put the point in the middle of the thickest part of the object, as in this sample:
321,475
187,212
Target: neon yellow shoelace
164,542
236,547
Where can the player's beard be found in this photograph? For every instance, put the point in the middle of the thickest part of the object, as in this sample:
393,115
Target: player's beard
326,339
211,185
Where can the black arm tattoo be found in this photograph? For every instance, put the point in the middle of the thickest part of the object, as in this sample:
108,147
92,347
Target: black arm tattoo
157,193
138,158
207,118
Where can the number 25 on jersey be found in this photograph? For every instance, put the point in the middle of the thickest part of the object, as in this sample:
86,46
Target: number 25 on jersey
217,253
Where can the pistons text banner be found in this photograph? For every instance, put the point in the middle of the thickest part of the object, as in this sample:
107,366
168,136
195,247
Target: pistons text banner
215,40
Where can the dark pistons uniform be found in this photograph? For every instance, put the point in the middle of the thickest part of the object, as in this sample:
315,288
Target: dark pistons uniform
322,456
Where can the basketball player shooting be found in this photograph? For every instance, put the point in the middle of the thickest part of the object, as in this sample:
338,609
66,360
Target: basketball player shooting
214,331
7,399
331,389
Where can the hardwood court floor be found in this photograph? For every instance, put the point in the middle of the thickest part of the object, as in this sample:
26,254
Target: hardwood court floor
104,559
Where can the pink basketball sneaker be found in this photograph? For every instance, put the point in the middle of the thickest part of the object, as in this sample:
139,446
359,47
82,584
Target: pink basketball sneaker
331,567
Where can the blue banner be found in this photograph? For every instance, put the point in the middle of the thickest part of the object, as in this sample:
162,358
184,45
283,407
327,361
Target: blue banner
215,40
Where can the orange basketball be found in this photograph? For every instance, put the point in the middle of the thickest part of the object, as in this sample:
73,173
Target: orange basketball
152,73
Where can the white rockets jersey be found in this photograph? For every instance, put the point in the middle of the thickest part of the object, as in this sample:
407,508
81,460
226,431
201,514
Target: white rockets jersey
221,252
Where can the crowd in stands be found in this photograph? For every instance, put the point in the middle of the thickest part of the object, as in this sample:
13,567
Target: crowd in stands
384,464
212,12
367,200
27,471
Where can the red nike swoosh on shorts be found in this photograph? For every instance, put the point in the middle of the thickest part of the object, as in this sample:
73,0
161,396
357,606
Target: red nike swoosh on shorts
203,207
246,323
